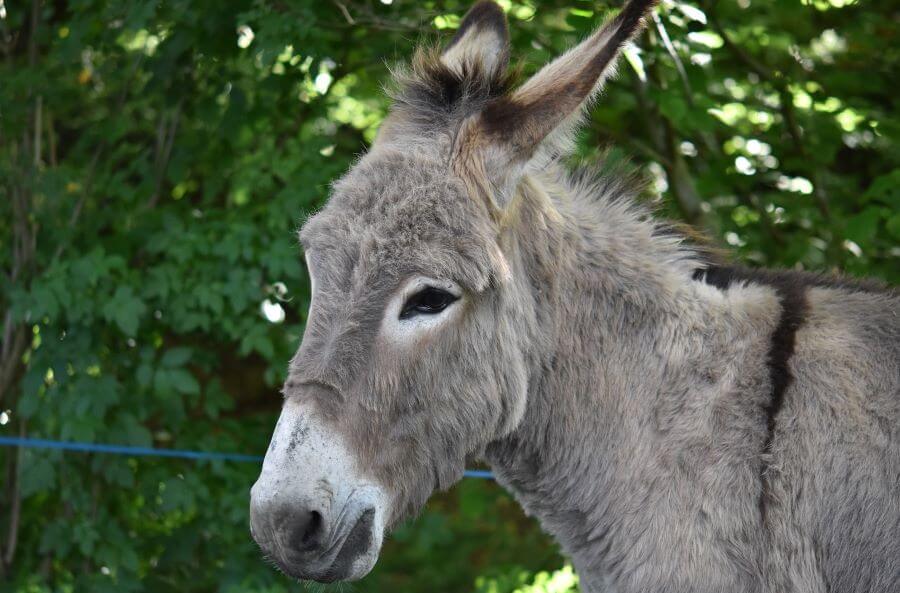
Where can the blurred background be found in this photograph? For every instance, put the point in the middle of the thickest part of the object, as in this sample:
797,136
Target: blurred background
157,157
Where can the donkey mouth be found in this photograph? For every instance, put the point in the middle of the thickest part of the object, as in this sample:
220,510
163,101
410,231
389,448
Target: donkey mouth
351,556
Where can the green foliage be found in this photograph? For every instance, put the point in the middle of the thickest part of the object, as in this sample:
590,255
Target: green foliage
156,159
563,580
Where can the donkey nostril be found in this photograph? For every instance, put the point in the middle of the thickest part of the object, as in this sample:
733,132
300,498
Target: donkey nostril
313,527
307,532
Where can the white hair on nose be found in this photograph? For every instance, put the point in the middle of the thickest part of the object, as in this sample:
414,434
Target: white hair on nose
308,462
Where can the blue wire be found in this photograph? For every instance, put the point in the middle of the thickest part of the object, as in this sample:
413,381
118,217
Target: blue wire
123,449
479,473
151,452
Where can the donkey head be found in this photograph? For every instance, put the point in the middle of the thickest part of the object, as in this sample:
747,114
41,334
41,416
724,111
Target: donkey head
423,318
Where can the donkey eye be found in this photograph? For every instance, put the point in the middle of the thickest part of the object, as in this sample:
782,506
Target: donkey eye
428,301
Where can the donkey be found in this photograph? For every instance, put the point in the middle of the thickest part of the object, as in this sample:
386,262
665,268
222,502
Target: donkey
677,424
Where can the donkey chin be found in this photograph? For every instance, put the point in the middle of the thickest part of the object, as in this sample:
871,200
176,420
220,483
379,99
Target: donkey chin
311,513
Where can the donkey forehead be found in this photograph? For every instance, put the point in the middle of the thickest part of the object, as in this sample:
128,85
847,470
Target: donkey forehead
397,214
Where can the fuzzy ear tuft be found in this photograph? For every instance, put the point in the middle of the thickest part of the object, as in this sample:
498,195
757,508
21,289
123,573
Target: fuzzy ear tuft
482,41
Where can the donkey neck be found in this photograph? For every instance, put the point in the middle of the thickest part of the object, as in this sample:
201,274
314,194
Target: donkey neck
631,356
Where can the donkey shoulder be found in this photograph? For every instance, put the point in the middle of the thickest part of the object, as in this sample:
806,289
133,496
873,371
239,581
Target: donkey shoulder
840,450
836,442
853,330
837,333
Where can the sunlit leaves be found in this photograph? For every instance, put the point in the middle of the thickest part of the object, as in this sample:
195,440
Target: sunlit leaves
829,4
633,56
563,580
706,38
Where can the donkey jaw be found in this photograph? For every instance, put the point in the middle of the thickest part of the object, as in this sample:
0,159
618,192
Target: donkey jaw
311,512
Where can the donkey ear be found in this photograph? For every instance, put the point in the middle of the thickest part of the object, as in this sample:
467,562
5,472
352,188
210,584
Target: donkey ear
482,41
552,99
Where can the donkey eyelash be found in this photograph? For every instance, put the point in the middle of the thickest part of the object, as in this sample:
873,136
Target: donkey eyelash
430,300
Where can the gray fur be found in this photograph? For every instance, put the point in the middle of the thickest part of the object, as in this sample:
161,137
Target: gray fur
620,398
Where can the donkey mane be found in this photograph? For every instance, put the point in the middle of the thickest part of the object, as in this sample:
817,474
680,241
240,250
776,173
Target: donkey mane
605,192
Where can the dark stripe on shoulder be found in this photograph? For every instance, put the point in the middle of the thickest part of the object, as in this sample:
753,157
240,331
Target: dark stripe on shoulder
722,276
793,314
791,290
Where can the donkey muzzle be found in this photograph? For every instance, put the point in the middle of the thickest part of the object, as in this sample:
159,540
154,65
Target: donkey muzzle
311,512
315,545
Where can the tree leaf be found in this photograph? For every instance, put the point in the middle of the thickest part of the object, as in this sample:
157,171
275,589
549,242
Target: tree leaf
861,228
184,381
125,309
175,357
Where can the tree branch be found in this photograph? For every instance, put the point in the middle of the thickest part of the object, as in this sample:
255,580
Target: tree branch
661,131
23,240
15,511
344,12
13,348
164,144
679,66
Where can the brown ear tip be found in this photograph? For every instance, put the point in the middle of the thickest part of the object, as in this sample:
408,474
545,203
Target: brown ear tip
632,19
640,8
485,14
484,7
